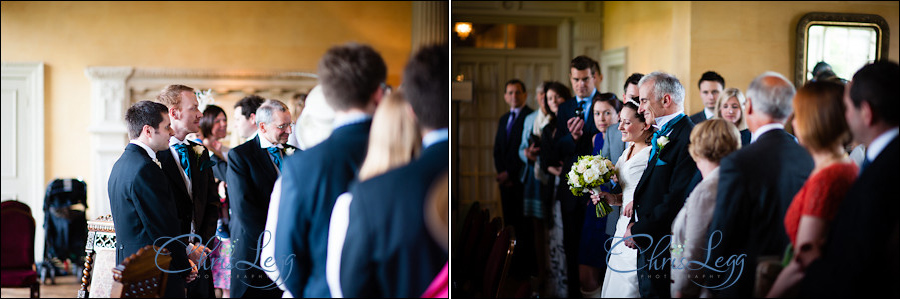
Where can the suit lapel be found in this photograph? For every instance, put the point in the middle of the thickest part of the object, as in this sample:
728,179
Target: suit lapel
676,131
262,158
171,169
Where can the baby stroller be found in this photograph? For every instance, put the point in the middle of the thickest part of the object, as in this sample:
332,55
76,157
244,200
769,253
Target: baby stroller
65,224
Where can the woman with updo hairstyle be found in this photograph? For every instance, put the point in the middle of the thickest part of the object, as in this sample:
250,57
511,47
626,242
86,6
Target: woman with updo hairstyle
730,106
711,141
636,133
822,129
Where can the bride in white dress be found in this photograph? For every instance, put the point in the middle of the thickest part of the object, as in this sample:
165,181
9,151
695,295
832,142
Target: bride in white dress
636,132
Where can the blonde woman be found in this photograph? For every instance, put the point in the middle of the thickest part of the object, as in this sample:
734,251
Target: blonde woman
730,106
711,141
394,140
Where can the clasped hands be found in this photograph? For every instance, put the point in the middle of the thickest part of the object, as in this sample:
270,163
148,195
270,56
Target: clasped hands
196,254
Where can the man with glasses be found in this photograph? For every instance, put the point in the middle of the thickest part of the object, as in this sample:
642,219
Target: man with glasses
253,168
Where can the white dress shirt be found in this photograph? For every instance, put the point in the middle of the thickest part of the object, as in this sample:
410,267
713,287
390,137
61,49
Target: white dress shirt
662,120
879,143
187,182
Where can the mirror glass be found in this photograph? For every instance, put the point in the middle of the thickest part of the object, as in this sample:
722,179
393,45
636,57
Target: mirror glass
838,44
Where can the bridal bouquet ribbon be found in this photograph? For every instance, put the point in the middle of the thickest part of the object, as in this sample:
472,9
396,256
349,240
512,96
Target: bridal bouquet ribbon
587,174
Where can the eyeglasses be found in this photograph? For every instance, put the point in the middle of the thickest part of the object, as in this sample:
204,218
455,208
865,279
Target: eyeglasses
282,127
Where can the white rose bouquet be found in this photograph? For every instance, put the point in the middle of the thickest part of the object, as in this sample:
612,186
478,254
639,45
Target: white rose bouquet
587,174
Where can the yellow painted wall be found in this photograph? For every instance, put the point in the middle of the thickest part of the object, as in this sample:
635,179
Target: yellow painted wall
70,36
739,40
657,34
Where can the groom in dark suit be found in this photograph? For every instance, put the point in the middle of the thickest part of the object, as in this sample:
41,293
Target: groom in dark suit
190,174
860,254
252,170
388,251
756,186
666,181
352,78
506,152
140,200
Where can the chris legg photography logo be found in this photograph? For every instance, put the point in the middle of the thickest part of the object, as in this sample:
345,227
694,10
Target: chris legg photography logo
731,267
207,262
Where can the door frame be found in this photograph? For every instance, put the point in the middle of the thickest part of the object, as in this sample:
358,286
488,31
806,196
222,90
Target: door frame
33,75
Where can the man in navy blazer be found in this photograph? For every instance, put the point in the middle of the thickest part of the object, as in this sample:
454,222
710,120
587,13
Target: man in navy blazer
666,181
575,140
189,169
388,251
254,166
756,186
352,78
506,152
860,254
141,203
711,85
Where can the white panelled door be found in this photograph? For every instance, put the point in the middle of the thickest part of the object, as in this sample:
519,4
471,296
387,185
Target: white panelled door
22,169
478,118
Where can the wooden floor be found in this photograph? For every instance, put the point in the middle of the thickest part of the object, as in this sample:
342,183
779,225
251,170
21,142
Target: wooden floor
65,287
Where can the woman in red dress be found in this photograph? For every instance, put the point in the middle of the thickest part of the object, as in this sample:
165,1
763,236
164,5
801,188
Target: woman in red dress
821,128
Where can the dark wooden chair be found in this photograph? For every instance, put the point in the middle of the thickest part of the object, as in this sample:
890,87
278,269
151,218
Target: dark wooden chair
18,268
139,275
497,266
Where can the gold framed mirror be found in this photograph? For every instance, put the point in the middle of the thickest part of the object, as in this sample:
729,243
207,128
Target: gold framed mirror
844,42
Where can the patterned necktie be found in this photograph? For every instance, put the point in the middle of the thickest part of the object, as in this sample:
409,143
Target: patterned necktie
276,155
182,150
654,146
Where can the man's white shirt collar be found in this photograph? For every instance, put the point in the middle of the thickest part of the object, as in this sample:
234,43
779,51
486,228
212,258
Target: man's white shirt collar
264,143
146,148
763,129
708,113
881,142
662,120
588,98
435,137
174,141
349,118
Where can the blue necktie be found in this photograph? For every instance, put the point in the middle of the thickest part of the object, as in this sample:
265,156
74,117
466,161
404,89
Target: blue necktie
654,147
182,150
510,122
276,155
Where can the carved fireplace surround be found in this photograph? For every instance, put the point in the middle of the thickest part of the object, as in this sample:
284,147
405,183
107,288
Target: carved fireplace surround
115,88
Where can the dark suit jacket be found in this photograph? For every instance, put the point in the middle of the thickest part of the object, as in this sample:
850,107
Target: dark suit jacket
388,251
202,210
661,192
506,148
143,211
756,186
698,117
860,255
312,182
568,148
745,137
251,177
